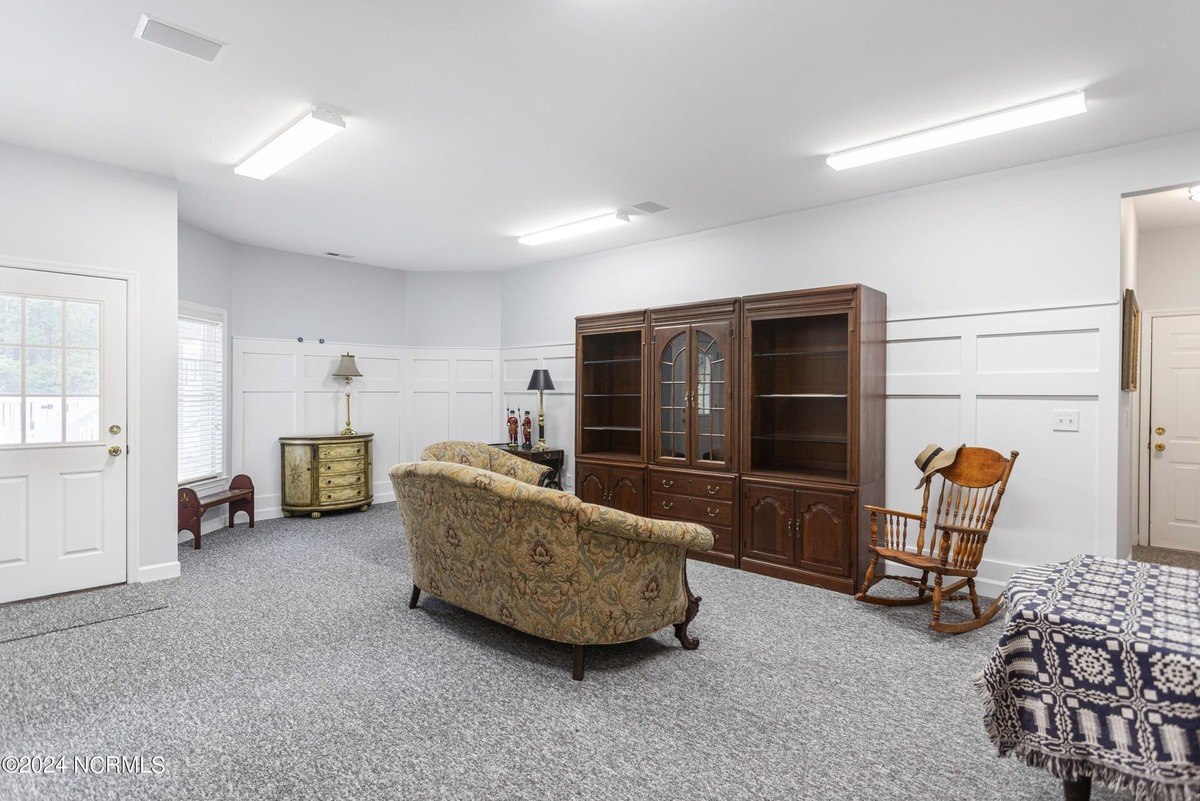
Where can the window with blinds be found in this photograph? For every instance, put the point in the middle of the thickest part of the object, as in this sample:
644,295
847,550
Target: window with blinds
201,398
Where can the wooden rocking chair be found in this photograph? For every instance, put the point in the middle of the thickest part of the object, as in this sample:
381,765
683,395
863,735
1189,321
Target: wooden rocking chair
972,487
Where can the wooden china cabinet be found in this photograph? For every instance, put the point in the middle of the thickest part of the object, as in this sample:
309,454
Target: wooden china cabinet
693,452
610,410
760,417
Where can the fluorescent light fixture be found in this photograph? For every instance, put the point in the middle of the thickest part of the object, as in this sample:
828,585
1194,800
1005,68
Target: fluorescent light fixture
304,134
1194,193
1053,108
610,220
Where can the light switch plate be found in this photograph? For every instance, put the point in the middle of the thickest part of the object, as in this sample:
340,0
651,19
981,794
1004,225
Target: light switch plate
1065,420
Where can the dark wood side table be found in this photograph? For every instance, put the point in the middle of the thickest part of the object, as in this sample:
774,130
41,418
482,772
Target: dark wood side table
553,458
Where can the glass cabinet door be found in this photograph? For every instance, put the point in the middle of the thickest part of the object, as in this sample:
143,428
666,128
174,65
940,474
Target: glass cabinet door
712,440
672,394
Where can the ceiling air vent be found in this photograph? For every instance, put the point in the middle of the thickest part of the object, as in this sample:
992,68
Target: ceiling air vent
650,207
165,34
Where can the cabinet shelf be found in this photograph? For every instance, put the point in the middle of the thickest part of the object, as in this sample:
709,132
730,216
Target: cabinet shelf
612,395
810,352
613,361
831,439
803,395
612,428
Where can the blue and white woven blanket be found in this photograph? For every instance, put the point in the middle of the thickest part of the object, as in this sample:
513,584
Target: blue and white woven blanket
1097,674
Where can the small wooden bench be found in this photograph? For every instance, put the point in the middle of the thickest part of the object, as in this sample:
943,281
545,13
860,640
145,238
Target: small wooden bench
239,496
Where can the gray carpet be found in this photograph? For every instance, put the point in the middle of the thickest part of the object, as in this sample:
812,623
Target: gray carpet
1167,556
289,666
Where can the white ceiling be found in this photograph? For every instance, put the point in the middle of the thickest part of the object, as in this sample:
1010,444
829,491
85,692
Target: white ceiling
472,121
1170,209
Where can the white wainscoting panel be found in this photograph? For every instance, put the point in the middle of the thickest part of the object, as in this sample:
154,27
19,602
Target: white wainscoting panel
517,365
407,398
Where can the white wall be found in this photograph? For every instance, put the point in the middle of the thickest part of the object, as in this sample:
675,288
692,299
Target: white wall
1169,269
1128,403
66,210
206,264
289,295
454,310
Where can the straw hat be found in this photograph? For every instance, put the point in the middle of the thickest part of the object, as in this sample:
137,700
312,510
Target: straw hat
933,459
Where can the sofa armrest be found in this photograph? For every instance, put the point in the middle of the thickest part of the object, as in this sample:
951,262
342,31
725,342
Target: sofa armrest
633,527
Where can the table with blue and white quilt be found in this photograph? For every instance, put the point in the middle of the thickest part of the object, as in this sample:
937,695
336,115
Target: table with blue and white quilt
1097,675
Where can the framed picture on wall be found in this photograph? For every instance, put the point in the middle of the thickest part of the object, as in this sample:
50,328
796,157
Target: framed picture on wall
1131,331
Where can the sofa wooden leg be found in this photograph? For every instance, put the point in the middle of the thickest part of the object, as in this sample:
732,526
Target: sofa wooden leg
416,596
577,668
688,642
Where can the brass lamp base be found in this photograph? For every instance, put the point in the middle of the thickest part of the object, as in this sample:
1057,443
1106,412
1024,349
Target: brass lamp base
347,432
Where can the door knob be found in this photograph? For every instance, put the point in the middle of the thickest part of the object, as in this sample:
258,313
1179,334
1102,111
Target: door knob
1160,431
114,429
114,450
1159,446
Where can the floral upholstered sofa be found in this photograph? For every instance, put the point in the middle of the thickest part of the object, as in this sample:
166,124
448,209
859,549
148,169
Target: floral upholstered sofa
485,457
540,560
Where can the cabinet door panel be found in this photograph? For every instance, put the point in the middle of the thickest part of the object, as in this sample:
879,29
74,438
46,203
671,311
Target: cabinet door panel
672,394
766,522
591,483
823,531
627,489
712,407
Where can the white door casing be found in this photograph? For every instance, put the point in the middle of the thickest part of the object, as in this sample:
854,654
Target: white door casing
63,383
1175,432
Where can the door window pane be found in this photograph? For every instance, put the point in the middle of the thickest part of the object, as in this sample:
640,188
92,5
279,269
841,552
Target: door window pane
83,325
43,419
43,321
10,370
10,421
83,419
10,319
49,349
43,370
83,372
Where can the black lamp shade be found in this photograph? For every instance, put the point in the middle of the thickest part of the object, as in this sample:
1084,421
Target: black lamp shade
540,380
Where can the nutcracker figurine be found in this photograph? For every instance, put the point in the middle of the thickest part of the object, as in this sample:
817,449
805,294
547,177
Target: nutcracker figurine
527,431
513,425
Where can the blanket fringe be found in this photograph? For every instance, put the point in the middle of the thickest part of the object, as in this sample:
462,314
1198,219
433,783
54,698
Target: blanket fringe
1064,767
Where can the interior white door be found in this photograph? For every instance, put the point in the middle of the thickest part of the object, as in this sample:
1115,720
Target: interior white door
62,437
1175,432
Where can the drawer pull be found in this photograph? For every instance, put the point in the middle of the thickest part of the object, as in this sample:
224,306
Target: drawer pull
667,484
712,490
668,504
712,512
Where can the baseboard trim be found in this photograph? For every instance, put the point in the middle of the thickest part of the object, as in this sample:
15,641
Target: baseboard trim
158,572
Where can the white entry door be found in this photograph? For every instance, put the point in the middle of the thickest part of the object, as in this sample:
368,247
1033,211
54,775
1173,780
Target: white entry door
62,473
1175,433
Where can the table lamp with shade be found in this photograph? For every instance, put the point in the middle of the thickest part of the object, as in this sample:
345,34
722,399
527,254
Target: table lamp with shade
347,370
540,380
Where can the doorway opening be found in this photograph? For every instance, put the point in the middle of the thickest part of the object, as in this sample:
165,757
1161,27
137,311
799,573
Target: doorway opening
1160,259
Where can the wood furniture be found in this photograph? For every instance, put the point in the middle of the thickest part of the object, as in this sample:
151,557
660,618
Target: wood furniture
760,417
552,458
971,490
321,474
610,435
239,496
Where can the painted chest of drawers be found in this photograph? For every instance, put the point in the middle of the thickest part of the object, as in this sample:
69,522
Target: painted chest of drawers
321,474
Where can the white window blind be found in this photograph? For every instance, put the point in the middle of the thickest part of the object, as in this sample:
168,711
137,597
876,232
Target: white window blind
201,398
